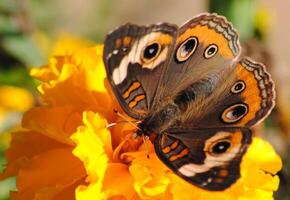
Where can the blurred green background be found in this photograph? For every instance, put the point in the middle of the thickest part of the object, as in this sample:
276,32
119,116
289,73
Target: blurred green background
29,30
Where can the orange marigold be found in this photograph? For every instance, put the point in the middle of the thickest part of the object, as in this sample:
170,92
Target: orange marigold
65,151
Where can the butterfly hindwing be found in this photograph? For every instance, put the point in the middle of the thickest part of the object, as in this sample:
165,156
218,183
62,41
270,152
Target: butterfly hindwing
243,97
207,158
135,57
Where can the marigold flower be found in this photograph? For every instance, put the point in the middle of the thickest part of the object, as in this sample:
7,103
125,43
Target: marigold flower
65,150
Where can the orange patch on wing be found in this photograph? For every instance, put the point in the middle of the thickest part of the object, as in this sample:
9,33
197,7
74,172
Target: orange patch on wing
133,87
251,94
236,138
126,41
166,149
164,39
118,43
218,180
183,153
136,100
206,37
174,144
224,172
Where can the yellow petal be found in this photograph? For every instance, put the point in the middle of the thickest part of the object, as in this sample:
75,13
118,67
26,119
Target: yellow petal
262,153
150,175
15,98
67,43
94,149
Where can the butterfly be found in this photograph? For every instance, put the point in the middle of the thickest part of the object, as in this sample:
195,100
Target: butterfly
193,93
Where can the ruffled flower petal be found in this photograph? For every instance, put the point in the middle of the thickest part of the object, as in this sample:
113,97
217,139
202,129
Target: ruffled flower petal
261,166
150,181
55,122
95,150
66,170
94,145
24,146
82,76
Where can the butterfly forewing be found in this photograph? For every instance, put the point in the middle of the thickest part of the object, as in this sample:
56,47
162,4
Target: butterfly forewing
135,57
205,48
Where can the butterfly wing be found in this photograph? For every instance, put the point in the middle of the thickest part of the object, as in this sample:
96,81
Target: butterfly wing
205,47
202,48
244,97
212,86
135,57
207,158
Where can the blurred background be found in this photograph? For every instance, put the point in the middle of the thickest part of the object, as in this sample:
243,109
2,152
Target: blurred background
33,30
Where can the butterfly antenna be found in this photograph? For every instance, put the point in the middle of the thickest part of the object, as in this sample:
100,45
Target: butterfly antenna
145,138
126,119
118,122
111,124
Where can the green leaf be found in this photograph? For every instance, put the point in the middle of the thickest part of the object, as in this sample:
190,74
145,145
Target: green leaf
7,26
25,49
15,76
6,6
8,184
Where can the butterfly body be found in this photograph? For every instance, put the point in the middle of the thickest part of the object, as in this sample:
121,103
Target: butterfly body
159,121
190,88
